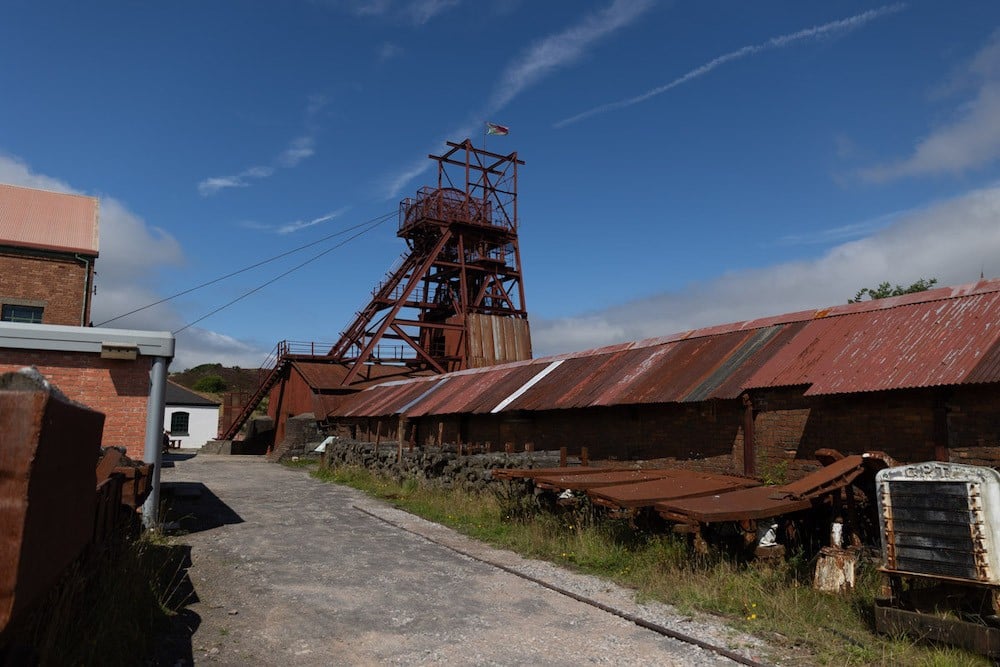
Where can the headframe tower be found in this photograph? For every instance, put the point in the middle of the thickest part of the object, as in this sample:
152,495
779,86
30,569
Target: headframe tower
455,299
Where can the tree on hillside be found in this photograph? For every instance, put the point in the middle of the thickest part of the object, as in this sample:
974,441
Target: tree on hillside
211,384
886,290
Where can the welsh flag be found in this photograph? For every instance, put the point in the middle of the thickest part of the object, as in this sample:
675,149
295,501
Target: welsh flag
500,130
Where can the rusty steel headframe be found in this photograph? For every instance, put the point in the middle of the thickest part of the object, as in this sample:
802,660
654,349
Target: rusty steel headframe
461,275
454,299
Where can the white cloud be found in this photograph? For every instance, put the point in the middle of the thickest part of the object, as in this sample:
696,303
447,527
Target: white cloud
951,240
210,186
536,62
303,224
416,12
563,48
423,11
807,34
970,140
132,251
388,51
297,151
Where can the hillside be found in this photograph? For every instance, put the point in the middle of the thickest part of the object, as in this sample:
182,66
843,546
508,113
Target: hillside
216,379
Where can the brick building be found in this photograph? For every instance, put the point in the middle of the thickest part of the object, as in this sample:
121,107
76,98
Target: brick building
48,245
107,370
916,376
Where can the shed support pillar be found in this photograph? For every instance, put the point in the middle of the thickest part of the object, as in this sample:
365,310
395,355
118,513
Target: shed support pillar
749,444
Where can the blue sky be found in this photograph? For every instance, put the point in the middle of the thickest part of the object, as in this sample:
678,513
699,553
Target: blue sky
687,163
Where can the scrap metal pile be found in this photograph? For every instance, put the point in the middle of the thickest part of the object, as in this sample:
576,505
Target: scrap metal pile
700,503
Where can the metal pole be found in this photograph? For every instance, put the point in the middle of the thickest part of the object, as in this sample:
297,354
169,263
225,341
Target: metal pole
154,436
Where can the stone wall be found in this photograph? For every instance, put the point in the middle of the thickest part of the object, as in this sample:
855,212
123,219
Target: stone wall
443,466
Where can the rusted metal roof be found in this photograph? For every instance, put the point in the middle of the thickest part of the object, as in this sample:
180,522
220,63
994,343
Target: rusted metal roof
476,392
58,221
945,336
328,376
918,344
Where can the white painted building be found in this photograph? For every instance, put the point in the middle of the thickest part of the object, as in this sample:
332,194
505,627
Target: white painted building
190,417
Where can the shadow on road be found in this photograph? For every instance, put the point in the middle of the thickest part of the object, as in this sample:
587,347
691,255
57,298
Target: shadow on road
191,507
173,644
168,459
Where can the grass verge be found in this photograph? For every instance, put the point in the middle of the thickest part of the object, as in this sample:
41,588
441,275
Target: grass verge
106,608
776,603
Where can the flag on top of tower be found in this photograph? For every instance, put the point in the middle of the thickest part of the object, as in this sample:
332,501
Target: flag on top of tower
493,128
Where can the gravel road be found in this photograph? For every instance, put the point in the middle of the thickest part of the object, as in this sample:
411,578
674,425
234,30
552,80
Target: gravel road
289,570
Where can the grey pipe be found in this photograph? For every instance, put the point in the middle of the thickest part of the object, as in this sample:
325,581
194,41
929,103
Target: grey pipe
154,436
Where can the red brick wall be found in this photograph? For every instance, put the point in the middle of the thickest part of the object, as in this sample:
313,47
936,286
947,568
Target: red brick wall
789,427
702,431
973,415
119,389
59,282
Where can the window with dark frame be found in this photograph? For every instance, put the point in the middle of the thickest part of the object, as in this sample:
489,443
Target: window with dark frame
179,423
11,312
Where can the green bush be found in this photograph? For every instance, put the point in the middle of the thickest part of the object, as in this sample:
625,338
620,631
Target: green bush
212,384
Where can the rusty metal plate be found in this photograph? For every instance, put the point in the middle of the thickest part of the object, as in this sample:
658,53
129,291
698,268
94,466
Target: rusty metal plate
686,485
755,503
595,480
532,473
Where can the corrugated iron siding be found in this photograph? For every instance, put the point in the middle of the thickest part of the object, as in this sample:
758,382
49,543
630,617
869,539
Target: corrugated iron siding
951,336
497,340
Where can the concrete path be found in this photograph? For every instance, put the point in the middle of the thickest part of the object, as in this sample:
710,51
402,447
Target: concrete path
289,570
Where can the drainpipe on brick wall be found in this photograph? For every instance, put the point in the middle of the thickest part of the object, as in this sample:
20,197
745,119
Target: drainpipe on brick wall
749,446
154,436
86,289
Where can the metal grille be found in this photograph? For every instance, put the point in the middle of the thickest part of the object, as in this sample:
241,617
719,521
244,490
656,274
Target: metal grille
930,527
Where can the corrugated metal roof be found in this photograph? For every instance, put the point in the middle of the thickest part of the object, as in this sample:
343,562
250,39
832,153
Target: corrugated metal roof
914,345
48,220
945,336
325,376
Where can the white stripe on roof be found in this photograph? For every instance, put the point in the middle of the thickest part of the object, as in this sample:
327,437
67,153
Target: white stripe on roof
526,386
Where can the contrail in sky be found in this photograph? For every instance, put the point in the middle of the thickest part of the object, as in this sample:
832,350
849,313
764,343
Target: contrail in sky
782,41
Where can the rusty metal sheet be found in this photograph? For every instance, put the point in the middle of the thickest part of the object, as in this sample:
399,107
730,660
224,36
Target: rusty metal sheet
916,344
47,488
765,501
387,399
599,479
494,340
945,336
836,475
753,503
561,387
531,473
501,387
470,390
320,376
684,484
